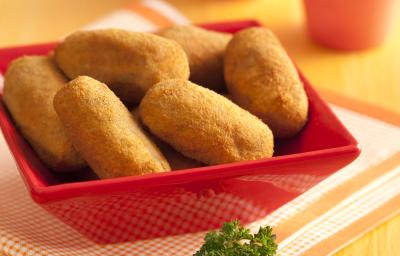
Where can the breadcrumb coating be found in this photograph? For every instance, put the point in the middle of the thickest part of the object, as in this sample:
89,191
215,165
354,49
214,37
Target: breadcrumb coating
104,132
261,78
205,50
30,84
204,125
176,160
128,62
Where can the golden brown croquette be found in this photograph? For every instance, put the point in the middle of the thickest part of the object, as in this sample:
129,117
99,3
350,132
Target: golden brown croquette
205,50
261,78
128,62
204,125
30,84
104,132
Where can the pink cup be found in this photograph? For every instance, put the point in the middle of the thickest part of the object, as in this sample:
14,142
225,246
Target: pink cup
349,24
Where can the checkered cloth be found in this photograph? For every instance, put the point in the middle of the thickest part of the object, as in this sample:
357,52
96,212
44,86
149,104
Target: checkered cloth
318,222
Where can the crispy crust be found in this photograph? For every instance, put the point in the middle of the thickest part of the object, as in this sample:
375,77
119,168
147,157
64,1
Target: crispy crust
204,125
205,50
176,160
29,87
262,79
104,132
128,62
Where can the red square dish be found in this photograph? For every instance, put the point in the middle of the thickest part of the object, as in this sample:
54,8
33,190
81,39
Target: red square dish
192,200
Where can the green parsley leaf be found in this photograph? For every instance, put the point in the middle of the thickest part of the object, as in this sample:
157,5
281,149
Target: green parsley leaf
235,240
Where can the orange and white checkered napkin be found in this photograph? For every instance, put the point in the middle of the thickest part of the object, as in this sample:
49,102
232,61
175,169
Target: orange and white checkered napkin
318,222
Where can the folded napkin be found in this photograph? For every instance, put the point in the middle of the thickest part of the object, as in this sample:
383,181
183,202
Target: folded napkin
318,222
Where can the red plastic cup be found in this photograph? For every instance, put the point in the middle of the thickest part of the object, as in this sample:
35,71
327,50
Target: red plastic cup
349,24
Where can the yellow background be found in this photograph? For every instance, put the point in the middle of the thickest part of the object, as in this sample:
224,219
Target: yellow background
372,76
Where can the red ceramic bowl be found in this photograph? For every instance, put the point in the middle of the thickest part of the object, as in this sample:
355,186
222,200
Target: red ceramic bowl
154,205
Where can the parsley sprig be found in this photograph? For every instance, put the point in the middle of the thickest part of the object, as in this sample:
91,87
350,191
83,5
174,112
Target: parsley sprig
235,240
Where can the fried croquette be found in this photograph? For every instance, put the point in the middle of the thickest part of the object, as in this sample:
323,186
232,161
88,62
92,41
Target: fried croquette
104,132
176,160
29,87
262,79
128,62
205,50
204,125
